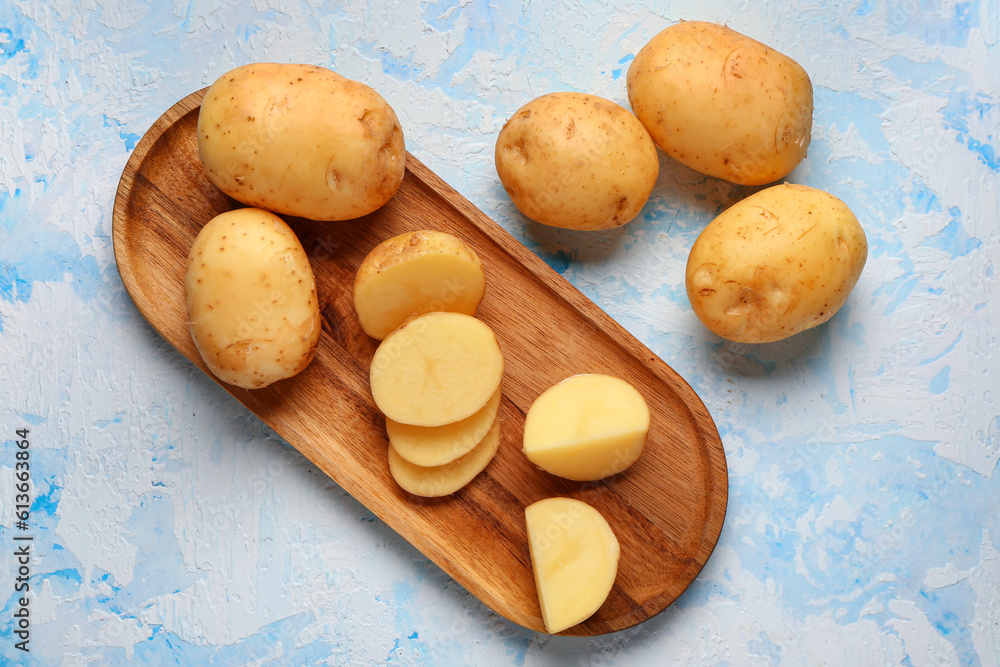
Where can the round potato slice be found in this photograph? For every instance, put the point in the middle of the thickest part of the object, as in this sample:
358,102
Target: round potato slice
436,369
443,480
251,299
586,427
416,272
437,445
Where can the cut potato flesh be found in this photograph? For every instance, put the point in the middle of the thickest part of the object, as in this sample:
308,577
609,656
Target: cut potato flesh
431,482
574,555
417,272
436,369
437,445
586,427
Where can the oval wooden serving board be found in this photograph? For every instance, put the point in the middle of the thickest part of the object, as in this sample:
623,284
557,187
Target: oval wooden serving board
667,510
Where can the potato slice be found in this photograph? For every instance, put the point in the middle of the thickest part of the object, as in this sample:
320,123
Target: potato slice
574,555
251,299
586,427
436,369
416,272
435,481
437,445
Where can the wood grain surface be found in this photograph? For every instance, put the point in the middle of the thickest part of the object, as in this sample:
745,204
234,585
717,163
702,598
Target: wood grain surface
667,510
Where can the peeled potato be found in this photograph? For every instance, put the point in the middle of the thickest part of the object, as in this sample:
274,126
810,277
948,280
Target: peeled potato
432,482
586,427
251,299
438,445
574,555
416,272
436,369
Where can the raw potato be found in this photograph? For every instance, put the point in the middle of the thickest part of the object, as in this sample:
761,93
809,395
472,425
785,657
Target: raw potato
433,482
251,299
722,103
300,140
437,445
416,272
587,427
776,263
436,369
574,555
577,161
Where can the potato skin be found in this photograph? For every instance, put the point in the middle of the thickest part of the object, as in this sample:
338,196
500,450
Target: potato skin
251,299
576,161
776,263
722,103
300,140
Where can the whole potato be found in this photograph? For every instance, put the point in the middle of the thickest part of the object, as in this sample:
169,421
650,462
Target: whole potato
776,263
300,140
251,299
576,161
722,103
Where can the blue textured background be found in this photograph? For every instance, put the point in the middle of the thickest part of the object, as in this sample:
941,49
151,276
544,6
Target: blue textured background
172,527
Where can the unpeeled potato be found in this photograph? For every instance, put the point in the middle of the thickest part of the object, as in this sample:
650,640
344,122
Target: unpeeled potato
576,161
776,263
300,140
251,299
722,103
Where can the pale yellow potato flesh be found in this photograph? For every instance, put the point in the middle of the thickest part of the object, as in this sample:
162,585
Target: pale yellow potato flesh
300,140
251,299
574,555
722,103
416,272
438,445
443,480
779,262
437,368
576,161
587,427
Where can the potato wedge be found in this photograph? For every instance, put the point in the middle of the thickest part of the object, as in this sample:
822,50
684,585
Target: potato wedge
574,556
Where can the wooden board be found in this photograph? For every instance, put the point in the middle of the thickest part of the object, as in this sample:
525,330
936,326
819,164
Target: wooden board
667,510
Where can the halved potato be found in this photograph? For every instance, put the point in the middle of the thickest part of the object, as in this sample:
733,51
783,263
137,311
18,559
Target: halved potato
586,427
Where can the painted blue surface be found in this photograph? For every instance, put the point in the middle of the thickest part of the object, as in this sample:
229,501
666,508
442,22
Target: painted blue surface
172,527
